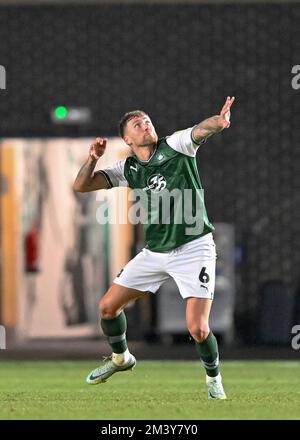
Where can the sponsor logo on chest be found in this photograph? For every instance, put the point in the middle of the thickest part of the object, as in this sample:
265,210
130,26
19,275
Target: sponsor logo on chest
156,183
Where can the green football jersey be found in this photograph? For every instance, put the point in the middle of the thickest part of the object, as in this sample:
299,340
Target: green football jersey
168,189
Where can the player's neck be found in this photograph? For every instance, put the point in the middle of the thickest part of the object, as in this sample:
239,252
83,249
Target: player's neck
144,153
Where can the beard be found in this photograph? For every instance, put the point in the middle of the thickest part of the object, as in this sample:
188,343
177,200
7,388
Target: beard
149,140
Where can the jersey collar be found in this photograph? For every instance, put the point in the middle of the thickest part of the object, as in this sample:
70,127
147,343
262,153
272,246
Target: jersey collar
147,161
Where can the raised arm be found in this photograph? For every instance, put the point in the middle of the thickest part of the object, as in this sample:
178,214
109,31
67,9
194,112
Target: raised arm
213,125
86,179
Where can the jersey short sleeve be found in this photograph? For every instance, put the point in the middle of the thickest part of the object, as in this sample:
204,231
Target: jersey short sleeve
115,174
183,142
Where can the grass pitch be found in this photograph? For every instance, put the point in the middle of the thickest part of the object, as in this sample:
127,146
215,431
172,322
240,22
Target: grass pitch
154,390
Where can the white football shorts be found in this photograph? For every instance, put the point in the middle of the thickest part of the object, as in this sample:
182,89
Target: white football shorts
192,266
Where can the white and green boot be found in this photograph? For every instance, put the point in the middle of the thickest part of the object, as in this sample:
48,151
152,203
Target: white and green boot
215,388
102,373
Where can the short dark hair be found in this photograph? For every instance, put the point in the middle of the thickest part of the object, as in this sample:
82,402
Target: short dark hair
125,118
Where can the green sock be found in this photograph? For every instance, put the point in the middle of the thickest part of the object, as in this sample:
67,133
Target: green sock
209,354
115,330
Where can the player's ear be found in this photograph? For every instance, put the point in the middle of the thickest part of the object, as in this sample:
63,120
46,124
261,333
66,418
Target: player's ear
127,140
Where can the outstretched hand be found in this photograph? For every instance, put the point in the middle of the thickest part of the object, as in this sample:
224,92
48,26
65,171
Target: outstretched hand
225,112
97,148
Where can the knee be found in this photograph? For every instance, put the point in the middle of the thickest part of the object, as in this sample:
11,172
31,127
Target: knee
199,332
106,309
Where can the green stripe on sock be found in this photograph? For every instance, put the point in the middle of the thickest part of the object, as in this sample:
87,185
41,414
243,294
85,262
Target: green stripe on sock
209,354
115,330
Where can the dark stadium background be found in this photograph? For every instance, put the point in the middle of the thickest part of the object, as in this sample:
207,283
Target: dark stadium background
178,62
